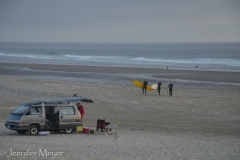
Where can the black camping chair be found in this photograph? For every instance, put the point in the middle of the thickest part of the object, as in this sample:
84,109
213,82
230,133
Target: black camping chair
101,124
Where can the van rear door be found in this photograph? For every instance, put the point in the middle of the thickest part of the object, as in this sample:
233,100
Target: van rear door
68,117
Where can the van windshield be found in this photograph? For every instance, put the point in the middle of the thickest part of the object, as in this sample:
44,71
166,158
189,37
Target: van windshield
21,109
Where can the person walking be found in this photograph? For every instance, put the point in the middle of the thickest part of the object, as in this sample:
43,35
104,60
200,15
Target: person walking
159,87
170,87
145,83
81,110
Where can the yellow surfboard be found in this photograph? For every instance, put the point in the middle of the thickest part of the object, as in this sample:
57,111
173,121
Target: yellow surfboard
140,85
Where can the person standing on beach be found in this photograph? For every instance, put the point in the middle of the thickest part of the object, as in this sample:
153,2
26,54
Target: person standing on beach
145,83
159,87
170,86
81,110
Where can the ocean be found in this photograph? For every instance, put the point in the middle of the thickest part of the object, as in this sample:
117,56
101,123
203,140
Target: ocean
208,56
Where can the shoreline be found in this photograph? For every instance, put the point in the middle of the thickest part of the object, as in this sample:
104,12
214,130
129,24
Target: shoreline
199,75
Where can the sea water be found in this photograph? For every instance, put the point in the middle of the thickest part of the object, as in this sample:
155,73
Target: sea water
208,56
202,56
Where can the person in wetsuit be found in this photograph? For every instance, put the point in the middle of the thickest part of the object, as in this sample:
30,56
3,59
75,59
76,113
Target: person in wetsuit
145,83
170,86
159,87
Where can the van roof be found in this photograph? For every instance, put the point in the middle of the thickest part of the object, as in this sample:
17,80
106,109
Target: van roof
66,101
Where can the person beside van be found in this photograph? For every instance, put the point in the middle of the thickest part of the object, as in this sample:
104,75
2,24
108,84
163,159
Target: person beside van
81,110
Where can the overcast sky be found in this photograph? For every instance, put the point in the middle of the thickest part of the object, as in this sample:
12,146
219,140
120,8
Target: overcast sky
120,21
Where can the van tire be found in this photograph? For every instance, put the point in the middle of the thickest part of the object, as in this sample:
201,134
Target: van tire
21,132
68,131
33,130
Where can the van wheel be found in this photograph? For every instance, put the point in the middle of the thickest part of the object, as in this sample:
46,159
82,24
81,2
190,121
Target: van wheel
33,130
21,132
68,131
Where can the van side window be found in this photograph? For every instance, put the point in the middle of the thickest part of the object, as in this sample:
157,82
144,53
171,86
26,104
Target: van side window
36,110
66,110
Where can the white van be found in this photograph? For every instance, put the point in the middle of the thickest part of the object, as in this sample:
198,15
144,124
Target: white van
33,117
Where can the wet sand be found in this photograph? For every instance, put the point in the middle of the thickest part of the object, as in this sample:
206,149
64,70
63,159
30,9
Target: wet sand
215,76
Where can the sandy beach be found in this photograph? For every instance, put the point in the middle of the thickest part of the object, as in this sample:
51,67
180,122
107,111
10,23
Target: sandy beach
195,123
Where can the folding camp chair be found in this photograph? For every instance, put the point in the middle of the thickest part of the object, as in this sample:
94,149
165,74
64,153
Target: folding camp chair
101,124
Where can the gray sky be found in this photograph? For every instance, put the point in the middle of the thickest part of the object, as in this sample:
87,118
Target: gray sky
120,21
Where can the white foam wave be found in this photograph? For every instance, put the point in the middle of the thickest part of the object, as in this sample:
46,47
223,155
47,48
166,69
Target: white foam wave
78,57
27,56
218,61
128,60
93,58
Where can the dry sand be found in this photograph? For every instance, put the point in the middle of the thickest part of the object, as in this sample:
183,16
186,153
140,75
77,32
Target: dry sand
195,123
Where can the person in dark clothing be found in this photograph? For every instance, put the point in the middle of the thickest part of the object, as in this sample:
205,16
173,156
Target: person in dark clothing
145,83
101,123
159,87
170,86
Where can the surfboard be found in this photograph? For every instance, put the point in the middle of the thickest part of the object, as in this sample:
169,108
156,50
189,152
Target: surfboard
154,86
140,84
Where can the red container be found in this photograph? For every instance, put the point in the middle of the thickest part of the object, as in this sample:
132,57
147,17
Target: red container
86,130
